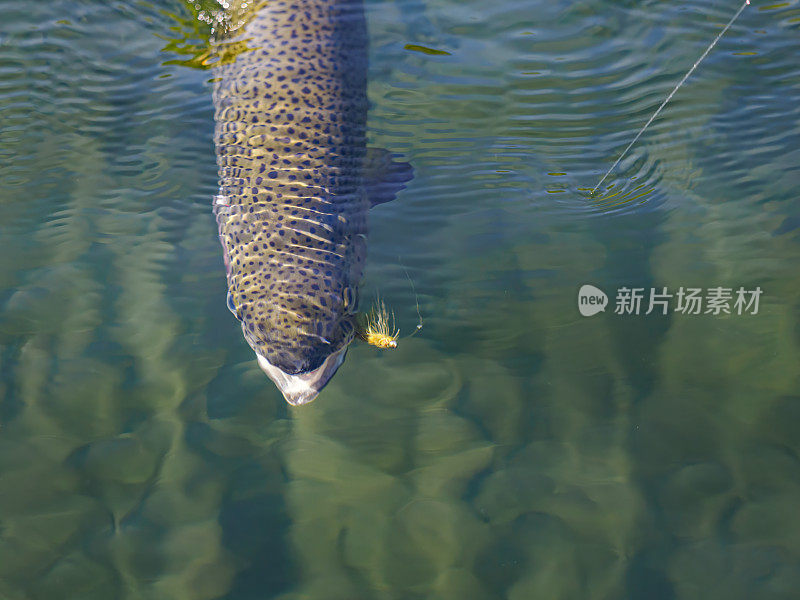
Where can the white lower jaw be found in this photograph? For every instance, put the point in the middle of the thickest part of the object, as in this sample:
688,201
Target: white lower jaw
304,387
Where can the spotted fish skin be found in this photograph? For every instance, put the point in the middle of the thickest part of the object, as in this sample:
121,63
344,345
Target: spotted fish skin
292,206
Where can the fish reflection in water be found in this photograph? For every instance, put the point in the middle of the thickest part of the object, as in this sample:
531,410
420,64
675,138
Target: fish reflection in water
296,184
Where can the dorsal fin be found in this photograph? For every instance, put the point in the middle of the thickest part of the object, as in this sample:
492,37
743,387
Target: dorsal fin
384,176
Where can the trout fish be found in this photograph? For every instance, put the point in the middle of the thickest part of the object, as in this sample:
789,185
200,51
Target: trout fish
296,183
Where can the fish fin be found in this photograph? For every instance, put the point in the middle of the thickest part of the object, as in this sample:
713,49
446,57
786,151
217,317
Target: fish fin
232,306
789,224
384,176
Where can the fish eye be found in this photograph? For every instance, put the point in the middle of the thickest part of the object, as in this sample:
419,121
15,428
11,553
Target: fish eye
349,298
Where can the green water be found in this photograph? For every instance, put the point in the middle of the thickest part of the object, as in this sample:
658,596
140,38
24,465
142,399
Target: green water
513,448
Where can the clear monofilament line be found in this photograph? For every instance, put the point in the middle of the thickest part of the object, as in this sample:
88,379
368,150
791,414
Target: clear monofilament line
672,93
416,298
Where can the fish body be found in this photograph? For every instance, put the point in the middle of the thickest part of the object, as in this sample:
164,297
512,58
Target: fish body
295,180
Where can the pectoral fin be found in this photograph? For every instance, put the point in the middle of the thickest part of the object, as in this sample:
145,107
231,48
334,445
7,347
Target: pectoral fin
232,306
384,176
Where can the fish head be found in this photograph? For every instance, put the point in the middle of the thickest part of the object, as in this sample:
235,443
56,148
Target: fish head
300,348
302,388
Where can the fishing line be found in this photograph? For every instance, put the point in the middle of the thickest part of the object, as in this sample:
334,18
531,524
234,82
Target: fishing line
416,298
672,93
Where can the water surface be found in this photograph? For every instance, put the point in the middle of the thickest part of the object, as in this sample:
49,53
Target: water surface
513,448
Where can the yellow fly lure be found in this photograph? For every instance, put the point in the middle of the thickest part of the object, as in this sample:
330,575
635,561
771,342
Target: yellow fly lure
378,327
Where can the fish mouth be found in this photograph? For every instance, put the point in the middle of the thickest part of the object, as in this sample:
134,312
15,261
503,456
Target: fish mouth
303,388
